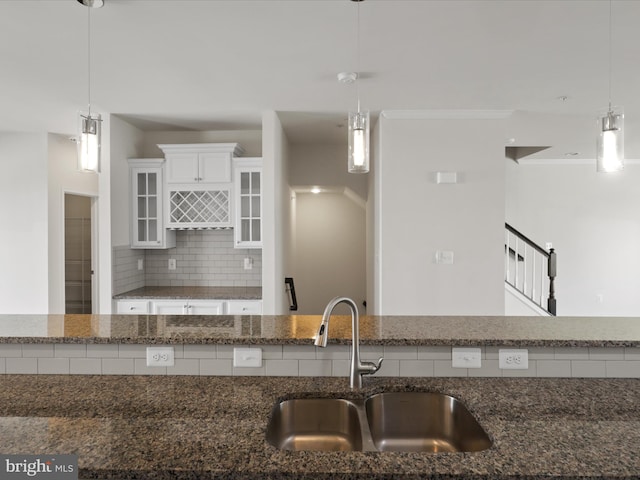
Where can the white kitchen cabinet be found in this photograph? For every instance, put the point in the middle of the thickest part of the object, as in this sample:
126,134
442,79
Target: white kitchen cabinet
248,202
188,307
132,307
199,184
147,220
244,307
206,307
194,167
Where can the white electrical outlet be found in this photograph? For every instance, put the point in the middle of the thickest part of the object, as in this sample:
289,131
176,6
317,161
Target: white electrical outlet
160,357
466,358
247,357
172,264
140,264
513,359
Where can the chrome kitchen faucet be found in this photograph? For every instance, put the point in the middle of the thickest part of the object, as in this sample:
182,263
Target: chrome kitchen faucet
357,368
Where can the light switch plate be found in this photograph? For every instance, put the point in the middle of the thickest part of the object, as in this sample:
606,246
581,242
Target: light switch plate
466,358
446,177
444,257
247,357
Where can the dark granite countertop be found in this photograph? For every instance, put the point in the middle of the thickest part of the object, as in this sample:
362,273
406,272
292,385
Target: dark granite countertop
300,329
178,428
209,293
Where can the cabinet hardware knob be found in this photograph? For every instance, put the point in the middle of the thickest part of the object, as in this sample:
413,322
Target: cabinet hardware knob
132,308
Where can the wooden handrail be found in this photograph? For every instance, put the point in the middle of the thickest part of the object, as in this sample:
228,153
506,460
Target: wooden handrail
551,268
527,240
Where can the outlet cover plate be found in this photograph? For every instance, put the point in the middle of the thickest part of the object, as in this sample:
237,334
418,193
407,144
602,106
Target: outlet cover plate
160,357
247,357
466,358
513,359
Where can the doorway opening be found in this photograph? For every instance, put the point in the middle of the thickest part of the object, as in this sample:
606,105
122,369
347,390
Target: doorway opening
78,264
330,257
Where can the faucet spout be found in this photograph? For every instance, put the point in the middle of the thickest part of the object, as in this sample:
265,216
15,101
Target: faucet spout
357,368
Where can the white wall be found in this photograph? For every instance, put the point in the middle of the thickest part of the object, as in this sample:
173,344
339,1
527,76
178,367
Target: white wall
63,176
249,140
277,253
127,142
330,252
324,165
373,232
593,222
417,217
23,207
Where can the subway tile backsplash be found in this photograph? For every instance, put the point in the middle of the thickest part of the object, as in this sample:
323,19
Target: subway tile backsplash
204,258
307,360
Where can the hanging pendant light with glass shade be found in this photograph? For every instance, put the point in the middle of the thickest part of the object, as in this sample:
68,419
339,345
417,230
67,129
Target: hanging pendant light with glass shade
358,120
89,123
610,136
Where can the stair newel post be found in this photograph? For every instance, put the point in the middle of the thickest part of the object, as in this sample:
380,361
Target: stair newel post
551,271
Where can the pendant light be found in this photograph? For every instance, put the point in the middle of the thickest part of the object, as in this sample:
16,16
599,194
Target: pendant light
358,120
89,123
610,139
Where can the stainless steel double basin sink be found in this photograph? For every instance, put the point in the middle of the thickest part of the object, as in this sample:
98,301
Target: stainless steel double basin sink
390,421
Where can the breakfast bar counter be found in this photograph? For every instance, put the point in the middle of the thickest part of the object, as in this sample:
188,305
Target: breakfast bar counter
585,332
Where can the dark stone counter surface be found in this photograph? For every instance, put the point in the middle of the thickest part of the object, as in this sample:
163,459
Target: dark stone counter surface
151,428
212,293
300,329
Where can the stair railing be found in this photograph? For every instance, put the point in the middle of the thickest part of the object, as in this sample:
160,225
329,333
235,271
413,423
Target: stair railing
530,269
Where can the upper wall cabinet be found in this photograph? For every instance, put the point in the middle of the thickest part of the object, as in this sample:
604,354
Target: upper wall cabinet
199,184
248,202
207,167
147,220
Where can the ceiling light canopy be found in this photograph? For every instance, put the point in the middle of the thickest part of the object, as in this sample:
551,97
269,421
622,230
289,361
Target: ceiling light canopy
92,3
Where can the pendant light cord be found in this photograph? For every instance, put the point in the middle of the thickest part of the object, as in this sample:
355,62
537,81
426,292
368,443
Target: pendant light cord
89,59
358,54
610,53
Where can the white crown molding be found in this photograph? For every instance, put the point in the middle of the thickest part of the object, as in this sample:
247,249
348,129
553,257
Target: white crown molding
569,161
446,114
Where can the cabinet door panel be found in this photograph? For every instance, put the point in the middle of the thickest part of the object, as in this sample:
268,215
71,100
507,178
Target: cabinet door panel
206,307
214,167
169,307
182,168
147,226
248,203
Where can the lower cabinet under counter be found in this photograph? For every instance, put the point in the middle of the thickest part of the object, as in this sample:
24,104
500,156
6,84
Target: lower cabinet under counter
132,307
189,307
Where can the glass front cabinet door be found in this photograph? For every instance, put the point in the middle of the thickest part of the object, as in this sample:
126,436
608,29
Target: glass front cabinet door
147,221
248,202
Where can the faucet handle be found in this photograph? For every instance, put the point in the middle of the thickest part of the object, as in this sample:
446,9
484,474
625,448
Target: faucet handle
369,368
378,364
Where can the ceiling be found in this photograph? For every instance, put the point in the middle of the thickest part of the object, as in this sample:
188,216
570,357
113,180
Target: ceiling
217,64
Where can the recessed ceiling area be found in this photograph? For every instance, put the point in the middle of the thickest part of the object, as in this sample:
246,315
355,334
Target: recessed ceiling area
218,64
